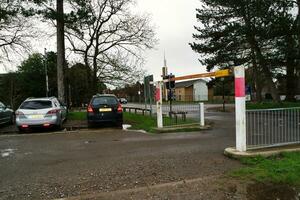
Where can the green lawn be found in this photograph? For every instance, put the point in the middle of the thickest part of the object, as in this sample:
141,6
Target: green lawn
139,122
77,116
271,105
147,123
284,169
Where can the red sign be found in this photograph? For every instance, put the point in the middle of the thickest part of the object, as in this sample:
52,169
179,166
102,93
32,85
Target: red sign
239,87
157,94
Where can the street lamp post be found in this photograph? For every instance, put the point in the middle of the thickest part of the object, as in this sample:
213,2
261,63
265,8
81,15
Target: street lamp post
46,72
223,94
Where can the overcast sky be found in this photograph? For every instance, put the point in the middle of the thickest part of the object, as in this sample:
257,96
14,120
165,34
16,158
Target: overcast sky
175,21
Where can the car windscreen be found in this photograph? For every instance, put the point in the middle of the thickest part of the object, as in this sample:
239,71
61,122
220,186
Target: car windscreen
104,101
35,105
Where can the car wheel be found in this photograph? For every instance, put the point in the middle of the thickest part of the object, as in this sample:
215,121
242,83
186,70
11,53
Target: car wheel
119,125
20,130
60,125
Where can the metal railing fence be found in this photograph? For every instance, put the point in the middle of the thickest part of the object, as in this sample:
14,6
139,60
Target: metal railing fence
180,113
272,127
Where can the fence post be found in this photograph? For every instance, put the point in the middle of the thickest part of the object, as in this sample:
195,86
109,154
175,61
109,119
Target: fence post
158,97
201,112
240,108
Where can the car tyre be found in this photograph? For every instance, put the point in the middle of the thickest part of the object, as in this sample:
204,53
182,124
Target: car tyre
60,125
21,131
119,125
90,125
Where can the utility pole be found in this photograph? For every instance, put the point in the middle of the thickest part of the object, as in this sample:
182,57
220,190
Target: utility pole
223,94
46,72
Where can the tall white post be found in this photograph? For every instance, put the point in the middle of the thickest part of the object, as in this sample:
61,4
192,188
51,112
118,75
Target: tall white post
158,98
202,122
240,108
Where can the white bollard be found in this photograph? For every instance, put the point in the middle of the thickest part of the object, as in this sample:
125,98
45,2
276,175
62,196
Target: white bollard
202,121
240,108
158,98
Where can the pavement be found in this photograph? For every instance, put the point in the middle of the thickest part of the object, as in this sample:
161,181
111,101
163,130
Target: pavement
116,164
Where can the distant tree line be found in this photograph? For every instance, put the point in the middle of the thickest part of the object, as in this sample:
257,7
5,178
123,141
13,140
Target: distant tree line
263,35
105,36
30,81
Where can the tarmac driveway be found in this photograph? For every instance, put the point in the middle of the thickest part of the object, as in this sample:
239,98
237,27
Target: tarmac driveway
47,166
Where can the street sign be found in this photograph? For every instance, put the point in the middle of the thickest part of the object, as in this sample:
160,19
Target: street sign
148,88
222,73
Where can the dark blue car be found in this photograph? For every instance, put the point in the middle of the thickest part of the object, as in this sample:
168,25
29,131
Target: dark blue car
105,109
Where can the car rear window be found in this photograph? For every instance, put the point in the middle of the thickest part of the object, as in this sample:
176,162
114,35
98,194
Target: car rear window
104,101
35,105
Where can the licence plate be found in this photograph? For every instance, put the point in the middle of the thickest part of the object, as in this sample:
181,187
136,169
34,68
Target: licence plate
36,116
105,109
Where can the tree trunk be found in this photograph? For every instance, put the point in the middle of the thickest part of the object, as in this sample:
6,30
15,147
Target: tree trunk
261,60
257,80
268,76
95,64
298,48
290,70
60,50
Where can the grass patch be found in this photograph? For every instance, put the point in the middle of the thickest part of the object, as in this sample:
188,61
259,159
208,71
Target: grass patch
284,169
148,123
77,116
272,105
139,122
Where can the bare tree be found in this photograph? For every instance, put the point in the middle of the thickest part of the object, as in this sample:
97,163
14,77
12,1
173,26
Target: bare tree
110,39
15,32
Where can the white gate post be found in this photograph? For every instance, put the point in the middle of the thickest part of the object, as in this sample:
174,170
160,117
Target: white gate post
240,108
158,98
201,107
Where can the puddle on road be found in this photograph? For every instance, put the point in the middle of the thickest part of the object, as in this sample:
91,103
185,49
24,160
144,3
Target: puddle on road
264,191
261,191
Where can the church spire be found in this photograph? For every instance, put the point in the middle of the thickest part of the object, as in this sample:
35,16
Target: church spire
165,68
165,60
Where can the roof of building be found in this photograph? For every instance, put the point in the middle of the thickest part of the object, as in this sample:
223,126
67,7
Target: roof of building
187,83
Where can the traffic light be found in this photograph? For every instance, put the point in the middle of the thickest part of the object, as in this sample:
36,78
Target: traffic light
171,83
171,95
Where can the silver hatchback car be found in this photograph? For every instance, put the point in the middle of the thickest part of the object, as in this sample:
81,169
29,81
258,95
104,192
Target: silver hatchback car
45,112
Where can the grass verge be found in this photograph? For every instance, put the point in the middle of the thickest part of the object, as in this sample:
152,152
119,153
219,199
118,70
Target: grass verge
148,123
284,169
272,105
77,116
139,122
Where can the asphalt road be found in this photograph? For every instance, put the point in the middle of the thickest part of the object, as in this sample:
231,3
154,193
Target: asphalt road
47,165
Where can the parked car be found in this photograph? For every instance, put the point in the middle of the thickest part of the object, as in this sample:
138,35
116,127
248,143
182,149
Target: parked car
123,101
105,109
45,112
6,114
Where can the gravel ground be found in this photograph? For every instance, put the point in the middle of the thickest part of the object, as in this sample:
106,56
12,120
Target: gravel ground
60,165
